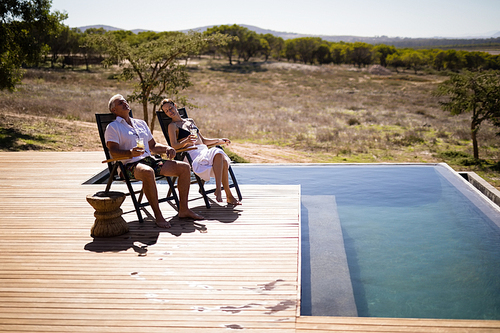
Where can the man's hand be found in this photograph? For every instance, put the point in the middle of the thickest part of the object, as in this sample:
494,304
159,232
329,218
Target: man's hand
170,152
134,152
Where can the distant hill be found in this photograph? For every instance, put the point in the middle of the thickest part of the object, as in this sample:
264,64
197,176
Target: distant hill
492,37
284,35
108,28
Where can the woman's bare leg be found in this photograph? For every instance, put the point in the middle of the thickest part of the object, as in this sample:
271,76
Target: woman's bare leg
217,168
225,182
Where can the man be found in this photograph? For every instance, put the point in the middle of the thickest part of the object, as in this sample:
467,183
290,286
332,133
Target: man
121,139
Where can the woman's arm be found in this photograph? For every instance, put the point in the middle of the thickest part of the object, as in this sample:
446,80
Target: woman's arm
179,144
212,142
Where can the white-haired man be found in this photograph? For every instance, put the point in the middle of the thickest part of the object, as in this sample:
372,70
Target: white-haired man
121,136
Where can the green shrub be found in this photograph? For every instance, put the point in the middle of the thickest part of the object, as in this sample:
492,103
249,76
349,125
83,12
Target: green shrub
234,157
113,76
451,155
468,161
460,158
353,121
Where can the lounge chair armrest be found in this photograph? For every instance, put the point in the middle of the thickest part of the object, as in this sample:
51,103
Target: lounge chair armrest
126,158
185,149
115,159
216,145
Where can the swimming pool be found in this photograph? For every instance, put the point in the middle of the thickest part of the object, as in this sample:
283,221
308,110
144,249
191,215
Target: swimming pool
408,241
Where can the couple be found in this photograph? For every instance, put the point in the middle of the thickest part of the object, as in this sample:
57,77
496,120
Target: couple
121,137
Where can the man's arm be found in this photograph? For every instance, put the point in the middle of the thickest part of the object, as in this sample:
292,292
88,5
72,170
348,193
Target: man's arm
116,152
158,148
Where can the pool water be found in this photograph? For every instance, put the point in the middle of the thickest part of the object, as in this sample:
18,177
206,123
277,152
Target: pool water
419,241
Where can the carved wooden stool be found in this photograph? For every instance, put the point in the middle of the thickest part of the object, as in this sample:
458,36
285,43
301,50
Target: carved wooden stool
108,214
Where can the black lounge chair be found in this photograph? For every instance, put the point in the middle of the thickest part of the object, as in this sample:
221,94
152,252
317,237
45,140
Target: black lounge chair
103,119
164,121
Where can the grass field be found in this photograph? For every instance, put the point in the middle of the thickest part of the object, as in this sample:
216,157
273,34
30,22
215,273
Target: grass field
325,113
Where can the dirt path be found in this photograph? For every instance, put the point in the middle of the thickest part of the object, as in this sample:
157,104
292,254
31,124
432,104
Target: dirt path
256,153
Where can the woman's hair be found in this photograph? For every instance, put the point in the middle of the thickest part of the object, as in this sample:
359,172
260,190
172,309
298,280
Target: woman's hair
165,101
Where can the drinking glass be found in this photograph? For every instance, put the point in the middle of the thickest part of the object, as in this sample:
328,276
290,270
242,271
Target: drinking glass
140,143
193,129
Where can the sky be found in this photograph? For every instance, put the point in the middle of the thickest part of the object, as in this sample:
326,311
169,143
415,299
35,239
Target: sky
367,18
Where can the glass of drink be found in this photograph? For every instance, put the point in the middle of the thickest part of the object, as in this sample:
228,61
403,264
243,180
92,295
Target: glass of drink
193,130
140,143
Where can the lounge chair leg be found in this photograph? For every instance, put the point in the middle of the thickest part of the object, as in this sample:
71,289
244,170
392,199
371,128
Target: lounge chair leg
235,183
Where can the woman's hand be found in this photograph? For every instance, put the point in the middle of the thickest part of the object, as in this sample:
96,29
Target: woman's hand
224,141
190,140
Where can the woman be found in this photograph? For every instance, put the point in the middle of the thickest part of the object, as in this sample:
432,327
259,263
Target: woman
207,163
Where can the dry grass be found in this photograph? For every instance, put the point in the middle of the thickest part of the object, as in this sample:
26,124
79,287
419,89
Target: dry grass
62,94
339,113
338,110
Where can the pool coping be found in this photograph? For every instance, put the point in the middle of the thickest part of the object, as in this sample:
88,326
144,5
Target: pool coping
482,185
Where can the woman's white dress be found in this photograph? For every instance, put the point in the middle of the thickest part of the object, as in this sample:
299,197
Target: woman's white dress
203,159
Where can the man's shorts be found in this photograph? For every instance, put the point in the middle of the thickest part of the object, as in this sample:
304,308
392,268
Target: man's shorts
149,161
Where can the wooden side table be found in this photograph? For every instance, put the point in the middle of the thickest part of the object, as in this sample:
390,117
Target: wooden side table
108,214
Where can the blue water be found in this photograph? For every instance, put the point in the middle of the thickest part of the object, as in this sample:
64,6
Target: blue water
419,242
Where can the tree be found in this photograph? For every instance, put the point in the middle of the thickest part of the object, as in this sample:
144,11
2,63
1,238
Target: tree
265,48
438,59
492,62
58,43
72,46
154,61
453,60
24,32
275,44
323,55
169,83
249,44
231,46
475,92
336,51
395,60
87,47
414,59
475,60
306,48
361,54
291,50
382,52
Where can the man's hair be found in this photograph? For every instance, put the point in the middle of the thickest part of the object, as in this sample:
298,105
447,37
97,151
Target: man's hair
111,103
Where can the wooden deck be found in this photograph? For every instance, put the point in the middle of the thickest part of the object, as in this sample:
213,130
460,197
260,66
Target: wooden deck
236,270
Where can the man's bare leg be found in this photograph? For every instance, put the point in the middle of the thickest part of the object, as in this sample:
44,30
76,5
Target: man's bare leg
145,174
182,171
